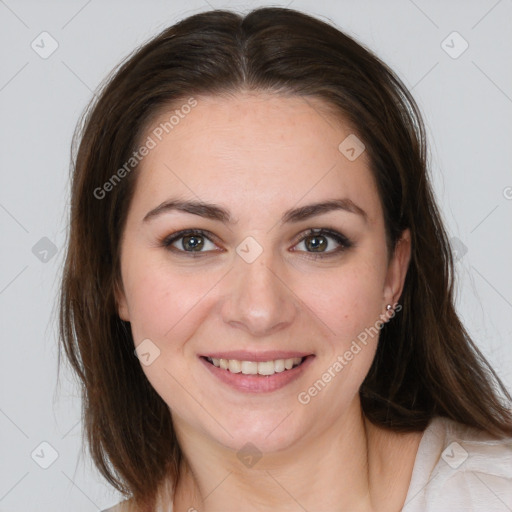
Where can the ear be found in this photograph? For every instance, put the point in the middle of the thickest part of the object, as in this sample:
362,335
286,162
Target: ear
121,303
397,269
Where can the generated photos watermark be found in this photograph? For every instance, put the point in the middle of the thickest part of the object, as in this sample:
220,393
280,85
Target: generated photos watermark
144,149
304,397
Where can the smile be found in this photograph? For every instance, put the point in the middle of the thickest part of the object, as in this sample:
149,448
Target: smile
266,368
256,373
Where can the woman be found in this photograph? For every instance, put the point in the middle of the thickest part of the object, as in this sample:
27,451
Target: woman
257,294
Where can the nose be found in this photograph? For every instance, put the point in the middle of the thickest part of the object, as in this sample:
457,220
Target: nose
258,298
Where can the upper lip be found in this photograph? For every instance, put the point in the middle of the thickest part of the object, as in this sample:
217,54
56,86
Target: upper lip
244,355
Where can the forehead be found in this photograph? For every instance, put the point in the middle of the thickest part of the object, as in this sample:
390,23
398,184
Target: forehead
249,152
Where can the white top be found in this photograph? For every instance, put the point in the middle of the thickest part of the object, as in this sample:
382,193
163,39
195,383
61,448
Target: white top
457,469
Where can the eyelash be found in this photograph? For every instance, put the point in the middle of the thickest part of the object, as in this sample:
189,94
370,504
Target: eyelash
342,240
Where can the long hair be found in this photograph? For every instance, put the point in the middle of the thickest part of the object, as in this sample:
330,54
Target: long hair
426,365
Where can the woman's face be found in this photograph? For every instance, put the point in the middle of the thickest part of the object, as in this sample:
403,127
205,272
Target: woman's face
252,289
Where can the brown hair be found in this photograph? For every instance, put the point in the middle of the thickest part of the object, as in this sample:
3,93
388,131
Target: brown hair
426,365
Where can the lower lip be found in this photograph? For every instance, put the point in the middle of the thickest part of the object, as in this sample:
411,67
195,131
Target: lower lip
258,383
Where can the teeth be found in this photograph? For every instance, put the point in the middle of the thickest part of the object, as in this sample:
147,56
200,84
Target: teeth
255,368
279,366
249,367
234,366
266,368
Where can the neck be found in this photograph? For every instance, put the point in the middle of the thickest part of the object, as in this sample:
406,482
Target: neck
352,466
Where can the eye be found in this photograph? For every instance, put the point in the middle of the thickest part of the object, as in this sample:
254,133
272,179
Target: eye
317,243
191,241
320,243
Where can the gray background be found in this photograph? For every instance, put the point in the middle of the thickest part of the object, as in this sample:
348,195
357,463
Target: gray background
467,106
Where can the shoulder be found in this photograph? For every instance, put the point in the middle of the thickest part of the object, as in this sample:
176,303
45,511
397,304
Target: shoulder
460,468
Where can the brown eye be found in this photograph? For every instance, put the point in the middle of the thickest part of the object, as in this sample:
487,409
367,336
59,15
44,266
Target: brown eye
192,242
195,242
324,242
316,243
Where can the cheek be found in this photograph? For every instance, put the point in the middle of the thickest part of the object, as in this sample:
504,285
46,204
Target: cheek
347,301
163,303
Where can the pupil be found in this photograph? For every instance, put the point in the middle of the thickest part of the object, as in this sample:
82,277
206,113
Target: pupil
317,246
192,242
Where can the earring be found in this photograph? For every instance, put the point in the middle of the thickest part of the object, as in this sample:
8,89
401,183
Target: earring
390,312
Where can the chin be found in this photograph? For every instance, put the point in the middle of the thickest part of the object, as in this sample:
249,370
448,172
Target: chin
263,432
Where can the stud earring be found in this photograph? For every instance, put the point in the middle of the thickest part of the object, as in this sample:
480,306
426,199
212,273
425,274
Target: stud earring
390,311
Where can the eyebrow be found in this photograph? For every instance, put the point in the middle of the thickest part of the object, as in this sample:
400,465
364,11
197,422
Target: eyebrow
214,212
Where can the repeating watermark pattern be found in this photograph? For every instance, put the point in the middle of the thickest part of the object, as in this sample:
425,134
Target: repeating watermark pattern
249,455
454,455
44,455
454,45
249,249
459,249
352,147
304,397
44,249
147,352
150,143
45,45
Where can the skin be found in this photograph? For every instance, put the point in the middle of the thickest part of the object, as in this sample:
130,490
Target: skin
258,155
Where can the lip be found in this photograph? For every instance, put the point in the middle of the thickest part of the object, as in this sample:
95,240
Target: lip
257,383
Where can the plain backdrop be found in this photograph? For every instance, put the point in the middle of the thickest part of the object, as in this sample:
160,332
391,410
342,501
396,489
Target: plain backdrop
462,82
